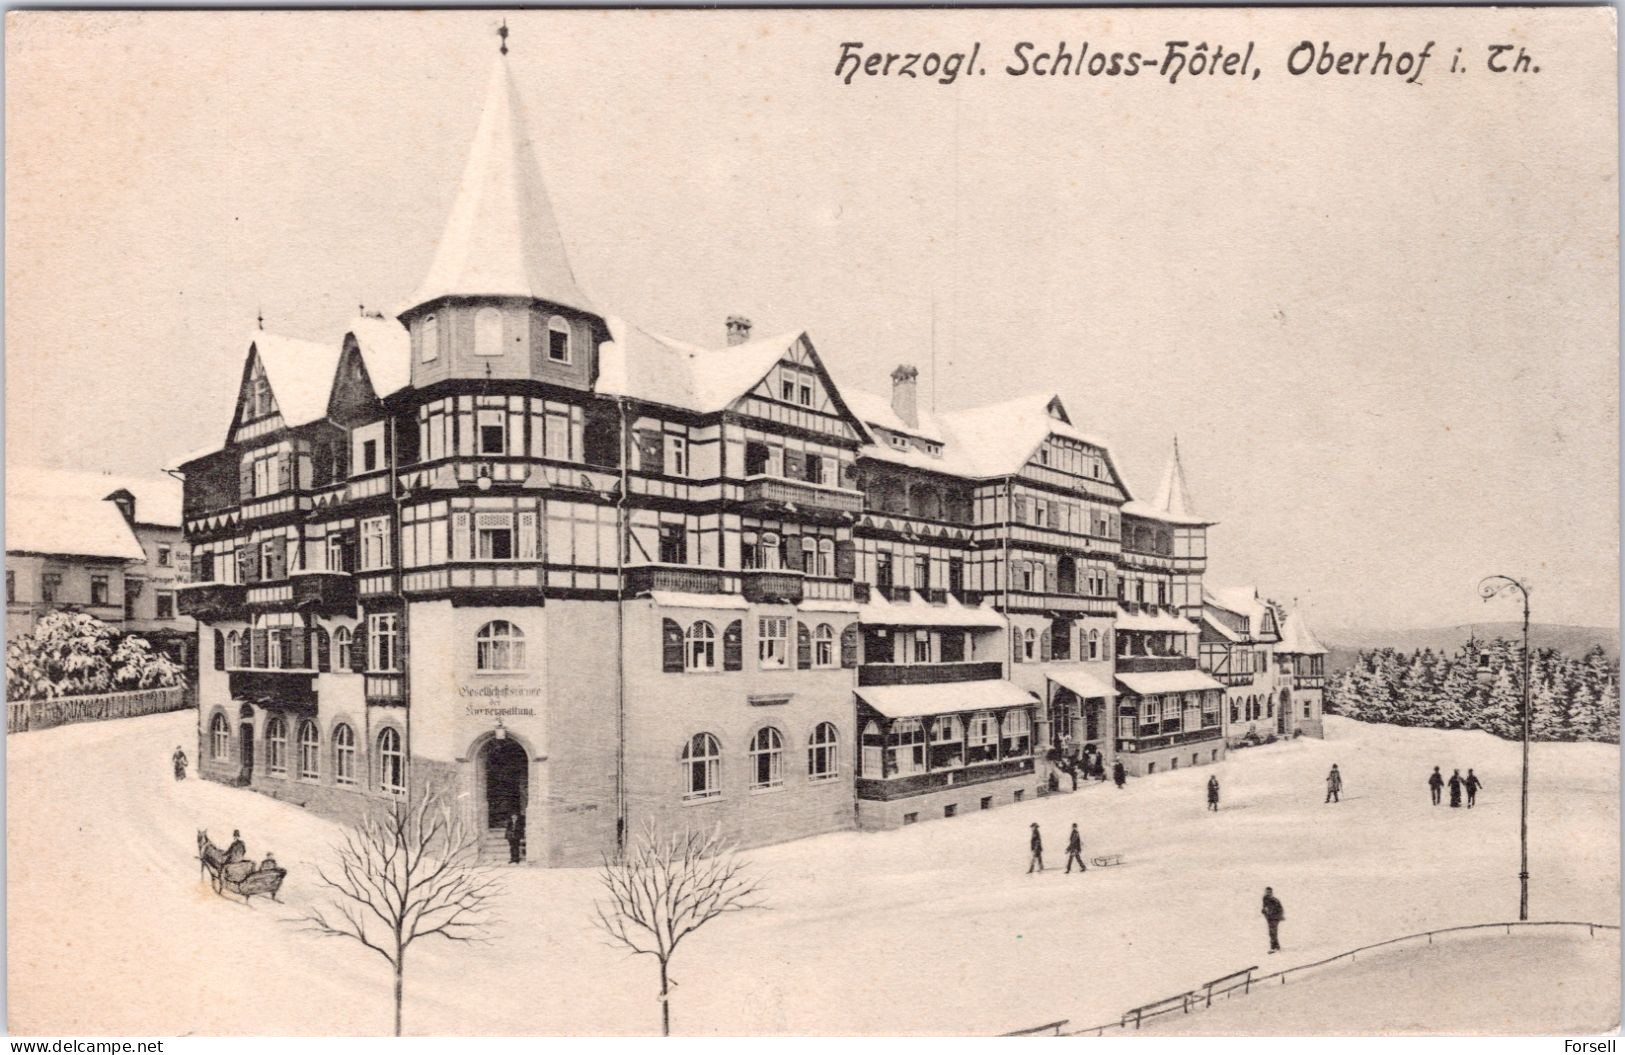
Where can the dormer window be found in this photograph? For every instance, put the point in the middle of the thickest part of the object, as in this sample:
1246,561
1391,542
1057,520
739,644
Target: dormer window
488,332
429,338
558,340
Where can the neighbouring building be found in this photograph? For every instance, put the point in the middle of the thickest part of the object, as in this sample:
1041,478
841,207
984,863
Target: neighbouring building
105,544
509,544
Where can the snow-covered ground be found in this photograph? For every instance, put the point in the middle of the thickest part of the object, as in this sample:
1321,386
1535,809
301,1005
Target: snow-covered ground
932,929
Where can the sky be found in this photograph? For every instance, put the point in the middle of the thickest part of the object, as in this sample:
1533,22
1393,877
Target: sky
1381,317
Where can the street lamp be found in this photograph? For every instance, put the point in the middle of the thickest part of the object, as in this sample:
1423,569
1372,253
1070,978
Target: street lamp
1488,588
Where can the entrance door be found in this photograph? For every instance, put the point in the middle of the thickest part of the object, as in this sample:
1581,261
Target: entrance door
246,752
1280,711
507,781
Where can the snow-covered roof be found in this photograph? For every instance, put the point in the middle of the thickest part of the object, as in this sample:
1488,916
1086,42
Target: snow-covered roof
68,525
1219,629
679,599
1081,680
646,366
1172,503
501,238
1296,637
920,701
1154,683
1154,622
1242,600
914,612
999,438
386,348
157,496
877,410
300,372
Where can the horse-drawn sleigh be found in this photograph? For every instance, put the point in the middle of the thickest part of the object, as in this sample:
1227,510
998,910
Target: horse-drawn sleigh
243,878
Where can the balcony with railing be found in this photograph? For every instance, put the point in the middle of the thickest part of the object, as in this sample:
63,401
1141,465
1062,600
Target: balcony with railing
928,673
900,785
1158,741
1154,664
281,685
776,493
773,586
679,578
325,592
210,601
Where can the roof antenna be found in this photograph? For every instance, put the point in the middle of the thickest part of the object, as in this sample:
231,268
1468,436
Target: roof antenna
933,353
259,317
503,33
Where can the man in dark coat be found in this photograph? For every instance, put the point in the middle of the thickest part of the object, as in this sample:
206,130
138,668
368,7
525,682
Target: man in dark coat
237,850
1074,851
1118,773
1436,784
1037,845
1472,784
269,864
1334,784
1455,788
514,831
1273,915
178,759
1213,793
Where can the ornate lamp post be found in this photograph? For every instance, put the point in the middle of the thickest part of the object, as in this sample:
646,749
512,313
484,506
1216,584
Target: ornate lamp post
1488,588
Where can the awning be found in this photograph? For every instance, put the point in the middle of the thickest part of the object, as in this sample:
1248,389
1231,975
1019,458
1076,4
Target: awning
676,599
1086,683
881,612
920,701
845,607
1157,623
1162,681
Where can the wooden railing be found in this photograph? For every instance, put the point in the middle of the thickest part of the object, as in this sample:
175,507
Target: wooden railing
1243,980
24,715
928,673
1154,664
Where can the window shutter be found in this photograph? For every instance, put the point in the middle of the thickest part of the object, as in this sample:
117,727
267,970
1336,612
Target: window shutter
462,543
284,471
733,646
671,647
651,451
1018,509
299,647
279,561
198,563
1052,515
324,651
219,650
262,647
248,569
803,647
792,552
849,646
527,536
358,649
846,564
795,465
1044,647
245,479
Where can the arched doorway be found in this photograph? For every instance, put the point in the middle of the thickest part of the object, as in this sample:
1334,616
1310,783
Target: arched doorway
245,751
504,781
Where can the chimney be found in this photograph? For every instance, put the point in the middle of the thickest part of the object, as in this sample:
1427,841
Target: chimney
738,330
902,394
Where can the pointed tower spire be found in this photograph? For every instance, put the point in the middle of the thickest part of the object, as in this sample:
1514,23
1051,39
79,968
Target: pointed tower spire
501,239
1173,495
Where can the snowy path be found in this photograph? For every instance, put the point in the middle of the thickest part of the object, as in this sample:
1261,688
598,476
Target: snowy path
932,929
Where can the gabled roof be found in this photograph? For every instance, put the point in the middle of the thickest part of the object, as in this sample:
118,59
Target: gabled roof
1000,438
646,366
69,526
1242,600
157,496
386,348
300,372
501,238
1296,637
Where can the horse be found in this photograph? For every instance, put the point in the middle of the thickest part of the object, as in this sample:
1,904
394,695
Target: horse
210,857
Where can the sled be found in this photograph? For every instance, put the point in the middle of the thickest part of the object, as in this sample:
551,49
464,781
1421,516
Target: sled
242,878
1106,860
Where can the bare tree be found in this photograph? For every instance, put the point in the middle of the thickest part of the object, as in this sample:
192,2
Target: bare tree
664,888
406,871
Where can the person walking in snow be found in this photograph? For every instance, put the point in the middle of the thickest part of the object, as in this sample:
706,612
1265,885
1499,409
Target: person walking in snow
1334,784
1037,846
178,760
1273,915
1213,793
1436,784
1472,784
1455,789
1118,773
1074,851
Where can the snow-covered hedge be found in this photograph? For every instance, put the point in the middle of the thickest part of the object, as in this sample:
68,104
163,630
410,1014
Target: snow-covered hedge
74,654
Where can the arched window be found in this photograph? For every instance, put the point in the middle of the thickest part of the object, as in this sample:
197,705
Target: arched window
391,762
702,767
234,654
341,649
558,340
873,743
1015,640
343,754
219,737
767,759
429,338
1018,731
770,553
488,332
219,651
499,646
700,647
276,746
824,646
825,568
1094,644
309,751
823,753
1029,645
